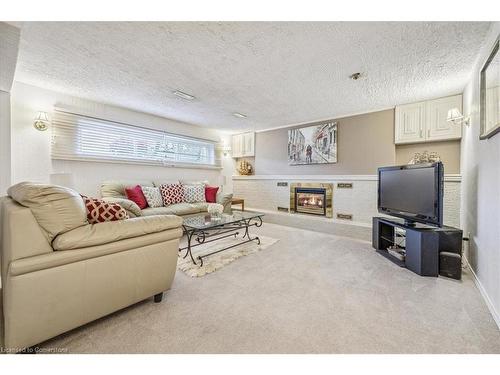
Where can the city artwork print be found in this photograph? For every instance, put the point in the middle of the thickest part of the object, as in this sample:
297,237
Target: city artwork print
315,144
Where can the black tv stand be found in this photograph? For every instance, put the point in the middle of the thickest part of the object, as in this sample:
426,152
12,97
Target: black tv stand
422,244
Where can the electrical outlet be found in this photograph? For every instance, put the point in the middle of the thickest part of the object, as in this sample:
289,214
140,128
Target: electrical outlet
284,209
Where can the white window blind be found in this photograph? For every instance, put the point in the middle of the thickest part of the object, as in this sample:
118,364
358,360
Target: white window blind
79,137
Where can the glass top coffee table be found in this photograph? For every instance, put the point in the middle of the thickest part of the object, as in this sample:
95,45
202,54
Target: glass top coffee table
204,228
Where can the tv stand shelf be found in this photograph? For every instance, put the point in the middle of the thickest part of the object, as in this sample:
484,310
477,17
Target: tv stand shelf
422,244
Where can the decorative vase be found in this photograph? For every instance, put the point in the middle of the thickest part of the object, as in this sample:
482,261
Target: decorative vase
215,209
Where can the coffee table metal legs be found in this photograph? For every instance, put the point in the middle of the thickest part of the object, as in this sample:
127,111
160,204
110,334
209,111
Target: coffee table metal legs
203,236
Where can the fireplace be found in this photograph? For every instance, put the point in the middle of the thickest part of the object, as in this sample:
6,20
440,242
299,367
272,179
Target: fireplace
311,199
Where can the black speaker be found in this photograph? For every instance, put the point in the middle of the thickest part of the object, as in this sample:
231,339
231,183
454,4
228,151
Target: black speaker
450,265
450,241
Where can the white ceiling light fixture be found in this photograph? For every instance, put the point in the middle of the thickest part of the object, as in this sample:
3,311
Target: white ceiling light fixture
239,115
183,95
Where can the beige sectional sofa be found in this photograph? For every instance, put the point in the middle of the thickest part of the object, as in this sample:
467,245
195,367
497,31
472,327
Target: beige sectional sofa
59,272
114,191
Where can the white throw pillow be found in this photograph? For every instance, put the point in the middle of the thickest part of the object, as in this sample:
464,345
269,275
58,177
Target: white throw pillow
153,196
194,193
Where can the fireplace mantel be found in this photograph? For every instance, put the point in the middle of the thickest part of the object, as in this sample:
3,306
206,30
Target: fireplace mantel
333,177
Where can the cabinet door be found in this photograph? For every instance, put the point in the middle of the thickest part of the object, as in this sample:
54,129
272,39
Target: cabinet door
410,123
437,112
249,144
237,149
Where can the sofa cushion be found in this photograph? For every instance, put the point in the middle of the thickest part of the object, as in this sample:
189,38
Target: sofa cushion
153,196
60,258
117,188
99,211
176,209
111,231
150,211
57,209
135,194
185,208
194,193
172,194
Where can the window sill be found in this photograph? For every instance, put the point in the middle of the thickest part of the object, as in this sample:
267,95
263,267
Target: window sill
136,162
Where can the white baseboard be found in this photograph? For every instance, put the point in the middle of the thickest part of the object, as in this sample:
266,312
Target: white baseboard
491,307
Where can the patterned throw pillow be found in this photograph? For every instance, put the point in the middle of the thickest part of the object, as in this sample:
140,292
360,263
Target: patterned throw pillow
99,211
172,193
153,196
194,193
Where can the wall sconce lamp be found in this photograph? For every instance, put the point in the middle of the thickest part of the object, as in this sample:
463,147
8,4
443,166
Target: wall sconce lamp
225,149
41,121
455,116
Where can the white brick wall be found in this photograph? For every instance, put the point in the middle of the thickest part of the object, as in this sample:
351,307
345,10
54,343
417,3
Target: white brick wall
262,192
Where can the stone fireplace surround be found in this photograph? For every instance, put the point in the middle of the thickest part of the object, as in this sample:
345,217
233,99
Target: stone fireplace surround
325,190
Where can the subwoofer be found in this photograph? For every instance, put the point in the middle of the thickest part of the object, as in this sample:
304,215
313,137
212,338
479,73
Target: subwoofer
450,265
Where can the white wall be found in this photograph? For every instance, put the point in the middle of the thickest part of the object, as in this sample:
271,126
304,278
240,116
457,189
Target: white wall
31,148
5,162
481,191
9,46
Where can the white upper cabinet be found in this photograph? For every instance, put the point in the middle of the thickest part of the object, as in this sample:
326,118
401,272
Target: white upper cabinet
438,128
426,121
249,144
410,123
243,145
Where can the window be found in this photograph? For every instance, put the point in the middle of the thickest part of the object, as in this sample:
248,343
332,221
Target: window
78,137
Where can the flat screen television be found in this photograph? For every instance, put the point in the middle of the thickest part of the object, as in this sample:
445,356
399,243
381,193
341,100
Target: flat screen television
412,192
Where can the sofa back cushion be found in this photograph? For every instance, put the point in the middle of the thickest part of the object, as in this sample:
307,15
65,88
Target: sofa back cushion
135,194
153,196
116,189
57,209
172,193
99,211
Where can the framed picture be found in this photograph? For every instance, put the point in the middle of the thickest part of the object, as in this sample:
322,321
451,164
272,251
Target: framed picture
316,144
490,94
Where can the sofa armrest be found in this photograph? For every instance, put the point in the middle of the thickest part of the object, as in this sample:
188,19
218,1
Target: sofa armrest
112,231
131,207
225,200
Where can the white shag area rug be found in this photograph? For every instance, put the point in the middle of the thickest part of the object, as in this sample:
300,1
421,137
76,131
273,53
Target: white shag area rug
216,261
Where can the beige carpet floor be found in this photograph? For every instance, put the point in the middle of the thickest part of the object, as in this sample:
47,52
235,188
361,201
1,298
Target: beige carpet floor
308,293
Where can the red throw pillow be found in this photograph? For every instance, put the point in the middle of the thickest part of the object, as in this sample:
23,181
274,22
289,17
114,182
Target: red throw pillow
172,193
211,193
99,211
136,195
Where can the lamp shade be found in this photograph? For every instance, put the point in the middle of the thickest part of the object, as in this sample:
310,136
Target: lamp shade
42,116
41,121
454,115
